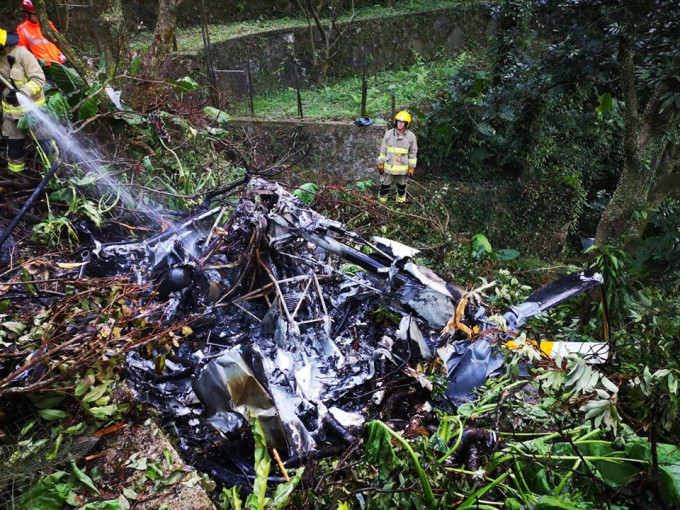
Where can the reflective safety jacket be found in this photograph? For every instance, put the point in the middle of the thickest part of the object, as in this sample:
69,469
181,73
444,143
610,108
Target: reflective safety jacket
398,151
21,68
31,36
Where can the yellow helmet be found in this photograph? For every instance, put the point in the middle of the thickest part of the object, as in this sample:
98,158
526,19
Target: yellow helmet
7,39
403,115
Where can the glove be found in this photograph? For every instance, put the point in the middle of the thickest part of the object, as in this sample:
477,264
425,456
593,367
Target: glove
381,168
411,170
11,98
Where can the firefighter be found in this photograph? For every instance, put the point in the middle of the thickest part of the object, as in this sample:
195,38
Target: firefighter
398,157
20,69
31,36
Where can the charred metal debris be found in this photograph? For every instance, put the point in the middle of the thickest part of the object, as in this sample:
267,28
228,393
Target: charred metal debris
288,315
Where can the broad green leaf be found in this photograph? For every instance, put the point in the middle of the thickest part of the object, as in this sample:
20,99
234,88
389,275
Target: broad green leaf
52,414
480,245
284,491
306,192
83,478
103,412
95,393
47,401
89,108
185,84
216,115
507,254
14,327
67,79
58,106
49,493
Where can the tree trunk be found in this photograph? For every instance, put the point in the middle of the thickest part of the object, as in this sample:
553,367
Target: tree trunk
142,90
648,160
72,58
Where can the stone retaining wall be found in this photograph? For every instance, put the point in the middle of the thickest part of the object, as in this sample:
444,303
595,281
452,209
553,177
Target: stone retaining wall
337,151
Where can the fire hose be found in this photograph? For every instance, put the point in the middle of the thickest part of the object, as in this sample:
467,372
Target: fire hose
7,83
36,192
29,202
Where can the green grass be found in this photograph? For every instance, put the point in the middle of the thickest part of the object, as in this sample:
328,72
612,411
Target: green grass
191,39
340,99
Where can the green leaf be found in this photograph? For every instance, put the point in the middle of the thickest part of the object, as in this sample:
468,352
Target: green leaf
52,414
185,84
167,454
58,106
507,254
83,478
131,118
379,450
670,482
135,64
67,79
95,393
103,412
306,192
49,493
480,246
216,115
14,327
605,105
257,499
130,493
553,503
284,491
47,401
89,108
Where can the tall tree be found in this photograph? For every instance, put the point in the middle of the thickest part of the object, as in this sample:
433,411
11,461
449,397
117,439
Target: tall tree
630,49
72,56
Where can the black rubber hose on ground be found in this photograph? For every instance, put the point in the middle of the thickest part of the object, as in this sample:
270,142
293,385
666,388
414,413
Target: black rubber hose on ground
29,202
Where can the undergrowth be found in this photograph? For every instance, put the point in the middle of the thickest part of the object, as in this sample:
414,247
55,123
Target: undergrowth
341,97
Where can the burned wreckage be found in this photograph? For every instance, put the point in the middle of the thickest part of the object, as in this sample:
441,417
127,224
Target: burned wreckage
291,327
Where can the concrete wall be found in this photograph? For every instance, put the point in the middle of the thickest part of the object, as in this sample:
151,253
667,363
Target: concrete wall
337,151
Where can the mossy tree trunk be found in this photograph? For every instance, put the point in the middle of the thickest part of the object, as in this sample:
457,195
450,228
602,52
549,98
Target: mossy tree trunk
142,90
72,57
649,173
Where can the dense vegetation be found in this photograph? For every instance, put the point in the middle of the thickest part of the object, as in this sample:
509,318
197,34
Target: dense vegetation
529,116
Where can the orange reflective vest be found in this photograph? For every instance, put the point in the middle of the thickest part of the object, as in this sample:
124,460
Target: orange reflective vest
31,36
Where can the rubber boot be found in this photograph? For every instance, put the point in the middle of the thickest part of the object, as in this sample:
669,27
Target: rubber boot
383,193
15,155
401,194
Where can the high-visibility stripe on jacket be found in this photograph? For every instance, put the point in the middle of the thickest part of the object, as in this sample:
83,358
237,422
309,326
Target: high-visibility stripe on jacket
25,74
398,151
31,37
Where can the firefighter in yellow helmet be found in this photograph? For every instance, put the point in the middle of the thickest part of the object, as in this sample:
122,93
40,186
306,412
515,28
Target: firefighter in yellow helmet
398,157
20,69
